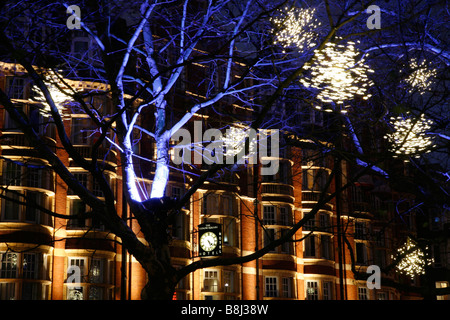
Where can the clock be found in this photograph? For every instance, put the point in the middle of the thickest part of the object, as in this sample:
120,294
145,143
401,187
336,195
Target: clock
210,239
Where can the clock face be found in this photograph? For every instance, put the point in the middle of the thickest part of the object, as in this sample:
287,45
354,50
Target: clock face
208,241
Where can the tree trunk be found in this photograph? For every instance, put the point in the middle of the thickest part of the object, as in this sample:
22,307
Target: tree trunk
160,286
160,272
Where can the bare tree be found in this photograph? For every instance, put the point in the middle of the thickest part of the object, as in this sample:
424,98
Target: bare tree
159,66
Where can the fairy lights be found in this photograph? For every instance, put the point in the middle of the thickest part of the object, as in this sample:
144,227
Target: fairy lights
421,76
412,259
337,75
409,135
234,140
295,28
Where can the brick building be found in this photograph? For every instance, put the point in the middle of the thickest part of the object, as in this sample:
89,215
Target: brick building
327,259
39,252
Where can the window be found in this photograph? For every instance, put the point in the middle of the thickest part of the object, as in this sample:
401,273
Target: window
180,226
271,287
7,291
96,271
31,212
360,230
75,293
96,189
284,216
228,280
229,232
227,205
361,253
80,48
12,174
326,246
15,87
314,180
34,177
442,285
84,276
176,192
9,263
27,265
11,208
312,290
211,281
30,266
95,293
269,215
382,296
310,247
327,290
82,178
269,236
287,287
211,204
309,225
286,247
80,263
324,222
77,208
362,293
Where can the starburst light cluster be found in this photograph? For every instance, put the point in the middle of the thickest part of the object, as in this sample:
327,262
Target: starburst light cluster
337,74
421,77
295,28
409,136
234,140
413,260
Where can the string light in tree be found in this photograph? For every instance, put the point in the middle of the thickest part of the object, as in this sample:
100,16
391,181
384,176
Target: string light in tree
421,76
337,74
234,140
410,135
296,28
412,259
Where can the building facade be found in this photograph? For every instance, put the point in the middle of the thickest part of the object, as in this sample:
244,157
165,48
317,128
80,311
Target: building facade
47,257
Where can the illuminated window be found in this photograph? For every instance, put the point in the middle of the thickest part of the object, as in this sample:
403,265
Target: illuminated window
312,290
30,266
9,265
228,279
211,281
